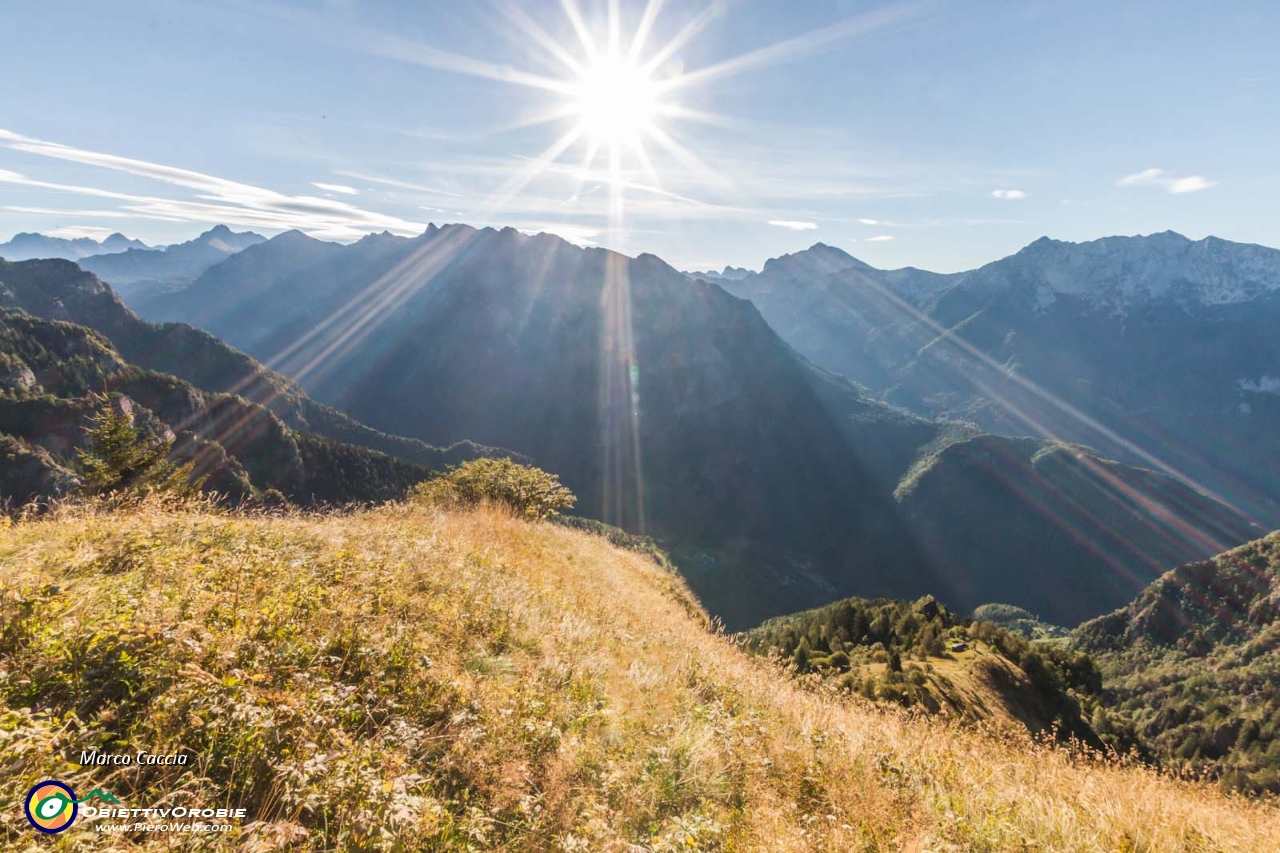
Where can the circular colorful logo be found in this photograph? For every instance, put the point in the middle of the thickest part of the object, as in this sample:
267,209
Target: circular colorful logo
51,806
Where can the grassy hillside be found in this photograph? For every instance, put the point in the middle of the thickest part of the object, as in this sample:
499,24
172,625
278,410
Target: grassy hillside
409,678
1192,667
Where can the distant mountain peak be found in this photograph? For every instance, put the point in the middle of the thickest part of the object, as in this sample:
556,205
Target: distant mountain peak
28,245
136,264
225,239
1124,269
379,237
818,259
730,273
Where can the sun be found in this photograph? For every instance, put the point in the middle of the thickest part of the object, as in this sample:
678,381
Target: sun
617,92
615,101
615,98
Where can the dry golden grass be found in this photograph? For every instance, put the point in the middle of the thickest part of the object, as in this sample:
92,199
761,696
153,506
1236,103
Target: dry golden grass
410,678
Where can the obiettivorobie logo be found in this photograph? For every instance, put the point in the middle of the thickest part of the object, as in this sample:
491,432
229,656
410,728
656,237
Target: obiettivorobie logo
51,806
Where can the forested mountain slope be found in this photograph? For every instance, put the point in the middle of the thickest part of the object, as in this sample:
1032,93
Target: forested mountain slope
1193,665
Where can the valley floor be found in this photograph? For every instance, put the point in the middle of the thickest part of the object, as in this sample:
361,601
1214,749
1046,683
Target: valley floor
410,678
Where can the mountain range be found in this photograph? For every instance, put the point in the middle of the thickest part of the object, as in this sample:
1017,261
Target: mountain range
1158,351
142,270
26,246
66,336
672,408
730,273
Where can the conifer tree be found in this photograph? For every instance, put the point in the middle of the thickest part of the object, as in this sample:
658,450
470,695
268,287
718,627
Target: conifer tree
801,656
120,459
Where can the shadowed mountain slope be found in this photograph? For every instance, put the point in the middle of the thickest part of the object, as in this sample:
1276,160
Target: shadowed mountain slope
670,407
1059,529
60,290
1158,351
55,374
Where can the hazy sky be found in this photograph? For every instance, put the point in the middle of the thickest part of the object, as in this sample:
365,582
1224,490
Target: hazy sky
936,134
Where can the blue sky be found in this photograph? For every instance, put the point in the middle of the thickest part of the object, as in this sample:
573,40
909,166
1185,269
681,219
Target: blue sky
936,134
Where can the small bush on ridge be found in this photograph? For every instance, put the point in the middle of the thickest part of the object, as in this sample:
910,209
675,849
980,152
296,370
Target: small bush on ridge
529,491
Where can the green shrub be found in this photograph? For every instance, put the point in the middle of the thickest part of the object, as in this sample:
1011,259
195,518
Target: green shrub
529,491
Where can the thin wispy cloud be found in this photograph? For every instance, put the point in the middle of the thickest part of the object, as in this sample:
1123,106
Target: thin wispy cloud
934,222
215,200
1169,183
793,224
880,238
73,213
342,189
75,232
1009,195
397,184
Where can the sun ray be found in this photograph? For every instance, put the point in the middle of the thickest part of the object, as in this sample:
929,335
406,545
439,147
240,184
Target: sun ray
687,32
647,19
529,27
521,179
580,28
686,157
676,111
615,28
960,348
646,163
589,157
791,48
323,345
559,112
395,47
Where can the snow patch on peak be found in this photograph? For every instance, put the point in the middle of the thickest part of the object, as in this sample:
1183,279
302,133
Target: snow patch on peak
1264,385
1129,270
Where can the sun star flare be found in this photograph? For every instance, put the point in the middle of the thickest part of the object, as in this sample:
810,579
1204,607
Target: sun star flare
615,100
